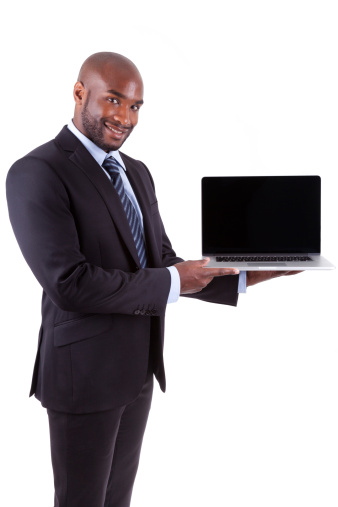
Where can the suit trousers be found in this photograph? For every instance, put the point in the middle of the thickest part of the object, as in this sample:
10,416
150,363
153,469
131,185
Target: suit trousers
95,456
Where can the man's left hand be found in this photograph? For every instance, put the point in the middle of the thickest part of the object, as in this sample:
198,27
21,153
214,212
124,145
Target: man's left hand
253,277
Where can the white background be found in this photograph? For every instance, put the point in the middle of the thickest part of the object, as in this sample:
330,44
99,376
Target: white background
250,416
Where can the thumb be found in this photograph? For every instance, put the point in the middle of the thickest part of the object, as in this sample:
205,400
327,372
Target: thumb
205,261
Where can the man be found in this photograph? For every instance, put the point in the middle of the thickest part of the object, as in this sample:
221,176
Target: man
87,222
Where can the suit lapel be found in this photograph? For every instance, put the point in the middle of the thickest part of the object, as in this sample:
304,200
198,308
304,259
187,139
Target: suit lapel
81,157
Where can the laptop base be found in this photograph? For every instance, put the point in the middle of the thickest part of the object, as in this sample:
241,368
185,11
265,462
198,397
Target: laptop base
264,262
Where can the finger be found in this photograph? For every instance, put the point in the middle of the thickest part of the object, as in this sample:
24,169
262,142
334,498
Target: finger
286,273
192,291
204,262
220,271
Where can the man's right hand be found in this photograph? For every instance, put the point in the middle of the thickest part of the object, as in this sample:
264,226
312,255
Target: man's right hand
195,276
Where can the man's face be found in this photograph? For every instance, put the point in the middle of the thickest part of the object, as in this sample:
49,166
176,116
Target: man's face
110,106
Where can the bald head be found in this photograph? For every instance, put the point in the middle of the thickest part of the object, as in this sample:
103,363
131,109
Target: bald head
106,62
108,96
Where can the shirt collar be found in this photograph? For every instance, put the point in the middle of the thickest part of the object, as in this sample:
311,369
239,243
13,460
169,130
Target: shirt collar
97,153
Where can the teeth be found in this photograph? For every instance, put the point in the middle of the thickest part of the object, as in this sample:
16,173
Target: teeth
114,130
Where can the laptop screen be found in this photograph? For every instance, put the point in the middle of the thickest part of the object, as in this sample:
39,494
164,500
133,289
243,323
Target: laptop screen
260,214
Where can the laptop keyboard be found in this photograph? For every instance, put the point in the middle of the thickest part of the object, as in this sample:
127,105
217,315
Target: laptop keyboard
280,258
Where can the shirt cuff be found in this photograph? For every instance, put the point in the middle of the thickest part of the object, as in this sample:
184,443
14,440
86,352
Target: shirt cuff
175,287
242,282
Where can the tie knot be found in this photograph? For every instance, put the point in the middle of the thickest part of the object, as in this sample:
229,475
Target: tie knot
111,165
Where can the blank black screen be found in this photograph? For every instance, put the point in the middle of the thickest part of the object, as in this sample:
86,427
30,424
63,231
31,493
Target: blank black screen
257,214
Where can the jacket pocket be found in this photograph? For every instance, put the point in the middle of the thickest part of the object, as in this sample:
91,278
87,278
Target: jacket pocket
77,330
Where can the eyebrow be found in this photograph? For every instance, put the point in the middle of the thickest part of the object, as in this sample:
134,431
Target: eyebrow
119,94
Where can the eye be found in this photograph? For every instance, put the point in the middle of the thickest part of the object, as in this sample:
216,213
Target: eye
135,108
113,100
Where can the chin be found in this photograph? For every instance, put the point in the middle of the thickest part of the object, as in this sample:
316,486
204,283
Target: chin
109,144
106,145
114,147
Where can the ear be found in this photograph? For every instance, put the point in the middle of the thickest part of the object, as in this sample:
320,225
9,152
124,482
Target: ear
79,93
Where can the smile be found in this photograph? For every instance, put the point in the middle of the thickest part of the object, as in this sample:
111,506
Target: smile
115,130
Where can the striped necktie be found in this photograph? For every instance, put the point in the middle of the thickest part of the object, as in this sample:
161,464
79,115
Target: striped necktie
112,166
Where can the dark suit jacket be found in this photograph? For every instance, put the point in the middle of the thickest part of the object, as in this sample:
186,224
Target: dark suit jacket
101,314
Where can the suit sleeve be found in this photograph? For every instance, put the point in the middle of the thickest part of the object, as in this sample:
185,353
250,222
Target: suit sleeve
40,213
222,290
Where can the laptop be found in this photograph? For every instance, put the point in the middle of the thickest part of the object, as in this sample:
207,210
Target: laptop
262,222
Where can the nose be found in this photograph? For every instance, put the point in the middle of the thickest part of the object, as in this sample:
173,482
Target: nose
123,116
